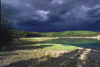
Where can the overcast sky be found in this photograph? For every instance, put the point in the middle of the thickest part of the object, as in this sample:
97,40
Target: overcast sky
53,15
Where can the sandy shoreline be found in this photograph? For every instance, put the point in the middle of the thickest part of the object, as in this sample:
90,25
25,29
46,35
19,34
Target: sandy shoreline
48,38
80,37
94,37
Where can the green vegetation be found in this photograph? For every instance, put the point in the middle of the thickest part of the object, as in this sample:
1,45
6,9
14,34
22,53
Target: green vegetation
51,45
25,34
72,33
3,51
6,30
58,46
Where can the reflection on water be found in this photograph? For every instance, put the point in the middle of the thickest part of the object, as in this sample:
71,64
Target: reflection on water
79,42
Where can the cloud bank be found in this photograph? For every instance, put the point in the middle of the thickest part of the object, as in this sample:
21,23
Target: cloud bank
53,15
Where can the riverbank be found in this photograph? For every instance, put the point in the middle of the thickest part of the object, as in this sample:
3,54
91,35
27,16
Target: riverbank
94,37
39,38
48,38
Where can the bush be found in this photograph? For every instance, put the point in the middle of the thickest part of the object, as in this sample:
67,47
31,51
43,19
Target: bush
6,30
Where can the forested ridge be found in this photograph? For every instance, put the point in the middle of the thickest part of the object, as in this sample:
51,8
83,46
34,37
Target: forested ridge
72,33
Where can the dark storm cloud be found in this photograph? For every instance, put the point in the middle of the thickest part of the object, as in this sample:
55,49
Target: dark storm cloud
8,9
94,12
53,15
94,26
32,23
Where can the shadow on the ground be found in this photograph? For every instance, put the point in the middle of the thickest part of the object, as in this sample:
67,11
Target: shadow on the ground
23,45
70,59
7,54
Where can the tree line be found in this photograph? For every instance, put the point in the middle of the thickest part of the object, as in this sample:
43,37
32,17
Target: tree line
23,33
72,34
7,31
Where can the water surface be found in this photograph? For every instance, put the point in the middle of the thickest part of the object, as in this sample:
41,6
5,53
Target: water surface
79,42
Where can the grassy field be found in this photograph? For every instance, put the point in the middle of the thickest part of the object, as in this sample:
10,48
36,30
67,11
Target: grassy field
78,32
72,33
34,52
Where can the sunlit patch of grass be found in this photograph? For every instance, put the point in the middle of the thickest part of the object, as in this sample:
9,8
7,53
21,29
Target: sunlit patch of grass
48,53
15,58
58,46
26,53
55,54
49,45
20,57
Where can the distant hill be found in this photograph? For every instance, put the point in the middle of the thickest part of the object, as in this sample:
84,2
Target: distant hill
71,33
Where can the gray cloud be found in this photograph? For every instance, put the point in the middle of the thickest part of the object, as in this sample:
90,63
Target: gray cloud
94,12
52,15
